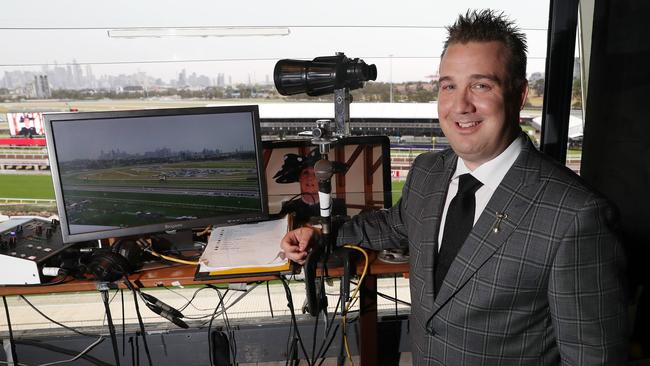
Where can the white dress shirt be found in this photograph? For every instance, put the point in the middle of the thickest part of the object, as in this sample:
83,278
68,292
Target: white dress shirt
490,174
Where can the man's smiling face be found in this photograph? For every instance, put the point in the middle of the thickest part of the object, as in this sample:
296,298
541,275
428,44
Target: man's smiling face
477,114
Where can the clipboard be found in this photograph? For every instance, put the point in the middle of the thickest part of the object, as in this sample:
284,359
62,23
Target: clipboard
245,250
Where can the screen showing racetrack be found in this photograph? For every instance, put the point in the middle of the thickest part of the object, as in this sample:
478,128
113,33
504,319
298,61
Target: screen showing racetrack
152,171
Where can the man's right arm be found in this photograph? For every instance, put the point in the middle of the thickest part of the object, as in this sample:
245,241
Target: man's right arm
379,230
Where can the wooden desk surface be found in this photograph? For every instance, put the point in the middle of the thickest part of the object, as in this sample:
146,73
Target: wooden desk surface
173,275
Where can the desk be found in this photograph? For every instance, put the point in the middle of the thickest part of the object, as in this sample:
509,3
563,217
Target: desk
184,275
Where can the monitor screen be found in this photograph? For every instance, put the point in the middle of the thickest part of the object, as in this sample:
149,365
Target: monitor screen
362,179
135,172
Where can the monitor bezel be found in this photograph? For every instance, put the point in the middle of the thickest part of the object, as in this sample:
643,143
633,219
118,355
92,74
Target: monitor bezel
51,119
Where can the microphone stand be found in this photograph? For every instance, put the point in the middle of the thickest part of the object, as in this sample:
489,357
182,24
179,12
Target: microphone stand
323,169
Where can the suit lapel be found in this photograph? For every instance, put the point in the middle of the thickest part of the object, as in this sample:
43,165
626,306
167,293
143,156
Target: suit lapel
513,198
434,198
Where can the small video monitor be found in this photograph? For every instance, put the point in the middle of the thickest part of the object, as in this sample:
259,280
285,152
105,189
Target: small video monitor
361,180
130,173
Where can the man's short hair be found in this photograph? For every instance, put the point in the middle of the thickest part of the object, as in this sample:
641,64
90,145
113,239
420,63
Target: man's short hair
487,26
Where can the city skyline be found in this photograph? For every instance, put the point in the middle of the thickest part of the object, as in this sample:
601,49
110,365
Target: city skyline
74,76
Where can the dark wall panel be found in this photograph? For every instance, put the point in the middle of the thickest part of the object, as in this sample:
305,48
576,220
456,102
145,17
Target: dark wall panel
616,148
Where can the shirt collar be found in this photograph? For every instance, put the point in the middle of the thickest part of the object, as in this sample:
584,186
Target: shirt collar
491,173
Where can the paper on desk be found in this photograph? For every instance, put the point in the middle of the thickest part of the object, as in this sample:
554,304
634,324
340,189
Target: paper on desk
247,246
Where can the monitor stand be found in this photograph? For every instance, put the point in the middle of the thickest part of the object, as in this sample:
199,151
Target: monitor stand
174,241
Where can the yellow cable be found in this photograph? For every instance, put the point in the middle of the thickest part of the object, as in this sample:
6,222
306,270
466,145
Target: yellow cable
205,231
172,259
146,246
345,341
353,298
363,274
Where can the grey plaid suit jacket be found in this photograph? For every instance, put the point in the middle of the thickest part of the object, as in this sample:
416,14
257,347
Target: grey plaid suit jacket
546,289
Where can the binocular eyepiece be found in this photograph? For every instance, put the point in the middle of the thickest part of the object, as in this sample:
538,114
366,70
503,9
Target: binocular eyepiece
322,75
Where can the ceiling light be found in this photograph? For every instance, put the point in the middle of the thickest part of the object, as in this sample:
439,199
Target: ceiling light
160,32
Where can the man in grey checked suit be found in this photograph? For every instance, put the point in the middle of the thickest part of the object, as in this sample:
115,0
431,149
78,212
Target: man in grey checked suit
539,278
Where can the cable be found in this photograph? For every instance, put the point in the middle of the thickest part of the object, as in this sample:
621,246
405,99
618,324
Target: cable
210,324
326,344
57,323
80,355
171,259
123,324
240,297
56,281
387,297
141,323
133,356
111,326
287,292
353,299
231,335
268,295
12,342
188,301
52,348
207,230
147,248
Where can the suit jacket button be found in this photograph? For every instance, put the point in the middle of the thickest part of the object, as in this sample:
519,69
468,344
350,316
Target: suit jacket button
431,332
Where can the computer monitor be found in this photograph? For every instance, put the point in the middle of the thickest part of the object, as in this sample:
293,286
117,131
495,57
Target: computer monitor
129,173
362,180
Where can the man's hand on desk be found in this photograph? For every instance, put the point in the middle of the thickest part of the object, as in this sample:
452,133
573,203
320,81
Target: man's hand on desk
296,243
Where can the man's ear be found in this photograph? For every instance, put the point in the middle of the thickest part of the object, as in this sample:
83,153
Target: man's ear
523,94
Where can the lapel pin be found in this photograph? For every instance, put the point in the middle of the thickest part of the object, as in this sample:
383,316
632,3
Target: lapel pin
497,223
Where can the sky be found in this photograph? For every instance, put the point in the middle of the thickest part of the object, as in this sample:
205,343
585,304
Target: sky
402,38
84,139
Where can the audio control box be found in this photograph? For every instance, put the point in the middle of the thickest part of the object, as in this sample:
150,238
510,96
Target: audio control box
27,244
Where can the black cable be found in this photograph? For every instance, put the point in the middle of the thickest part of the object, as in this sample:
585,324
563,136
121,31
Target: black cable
12,342
111,326
291,345
123,324
395,288
268,294
315,332
132,351
137,311
188,301
137,350
64,351
387,297
231,334
323,349
210,324
56,281
57,323
329,344
287,292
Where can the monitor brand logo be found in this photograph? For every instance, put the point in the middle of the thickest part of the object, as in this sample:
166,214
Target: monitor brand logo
173,226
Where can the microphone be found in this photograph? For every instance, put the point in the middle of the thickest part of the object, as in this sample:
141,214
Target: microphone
324,171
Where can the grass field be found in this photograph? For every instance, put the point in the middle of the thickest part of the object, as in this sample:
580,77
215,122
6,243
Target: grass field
26,186
396,188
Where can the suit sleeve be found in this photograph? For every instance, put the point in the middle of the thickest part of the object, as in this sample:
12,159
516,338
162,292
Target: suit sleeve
586,291
383,229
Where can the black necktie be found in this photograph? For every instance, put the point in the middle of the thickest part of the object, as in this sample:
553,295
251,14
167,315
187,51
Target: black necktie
458,224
